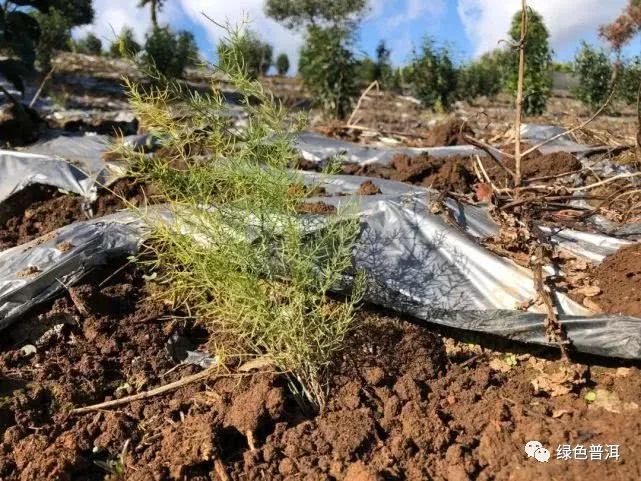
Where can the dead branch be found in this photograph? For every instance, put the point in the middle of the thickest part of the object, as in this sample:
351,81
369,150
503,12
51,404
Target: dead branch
491,151
42,85
152,393
557,176
606,181
553,327
360,100
220,470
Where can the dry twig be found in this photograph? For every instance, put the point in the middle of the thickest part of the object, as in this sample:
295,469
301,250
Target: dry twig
149,394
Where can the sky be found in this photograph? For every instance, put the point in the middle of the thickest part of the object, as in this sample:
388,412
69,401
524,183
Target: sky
468,27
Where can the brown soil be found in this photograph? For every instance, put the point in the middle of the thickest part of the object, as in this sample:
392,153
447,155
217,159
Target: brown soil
39,209
619,278
406,404
368,188
451,173
320,208
448,133
456,173
537,165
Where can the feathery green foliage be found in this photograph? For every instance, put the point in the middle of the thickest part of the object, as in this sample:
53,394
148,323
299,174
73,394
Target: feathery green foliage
434,76
537,84
595,71
328,69
238,255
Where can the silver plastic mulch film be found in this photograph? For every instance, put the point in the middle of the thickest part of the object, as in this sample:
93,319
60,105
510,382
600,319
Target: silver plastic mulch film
416,263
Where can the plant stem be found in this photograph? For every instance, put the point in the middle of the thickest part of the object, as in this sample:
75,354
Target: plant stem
519,95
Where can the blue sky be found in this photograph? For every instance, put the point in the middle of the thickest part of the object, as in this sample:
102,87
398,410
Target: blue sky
470,27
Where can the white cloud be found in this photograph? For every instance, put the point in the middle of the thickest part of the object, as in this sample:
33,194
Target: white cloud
115,14
487,21
118,13
397,13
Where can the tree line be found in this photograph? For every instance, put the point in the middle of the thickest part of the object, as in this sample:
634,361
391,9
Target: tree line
31,31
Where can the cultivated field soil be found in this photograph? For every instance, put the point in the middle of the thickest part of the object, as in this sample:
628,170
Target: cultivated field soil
408,401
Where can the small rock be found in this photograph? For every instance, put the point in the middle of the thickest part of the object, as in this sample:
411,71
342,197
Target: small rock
287,467
28,350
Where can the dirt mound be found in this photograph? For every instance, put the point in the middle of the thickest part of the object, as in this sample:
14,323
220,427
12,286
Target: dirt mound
448,133
368,188
40,209
450,173
319,208
619,278
534,165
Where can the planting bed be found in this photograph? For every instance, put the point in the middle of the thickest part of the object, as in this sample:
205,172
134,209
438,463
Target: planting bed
39,209
407,404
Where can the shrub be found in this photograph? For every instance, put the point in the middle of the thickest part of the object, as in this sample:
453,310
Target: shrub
125,44
483,77
328,69
282,64
238,255
170,53
595,71
55,34
90,45
537,83
434,76
257,55
630,81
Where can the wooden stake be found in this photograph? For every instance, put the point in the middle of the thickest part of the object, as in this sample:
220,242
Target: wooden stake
519,94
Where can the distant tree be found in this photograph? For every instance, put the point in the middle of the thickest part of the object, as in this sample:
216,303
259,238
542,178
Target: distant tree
125,44
383,66
538,58
257,55
21,28
629,82
328,69
595,71
155,6
366,70
89,44
483,77
282,64
434,76
319,13
55,35
563,67
170,53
